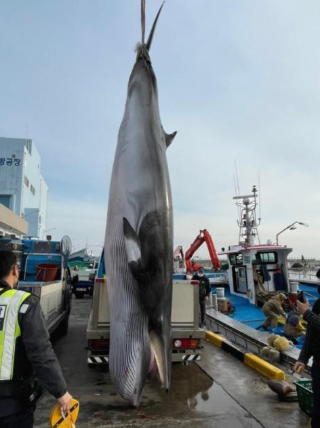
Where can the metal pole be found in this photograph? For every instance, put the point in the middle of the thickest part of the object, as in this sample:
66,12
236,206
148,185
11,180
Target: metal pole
288,227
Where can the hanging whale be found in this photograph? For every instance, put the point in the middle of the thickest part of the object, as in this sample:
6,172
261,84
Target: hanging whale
139,238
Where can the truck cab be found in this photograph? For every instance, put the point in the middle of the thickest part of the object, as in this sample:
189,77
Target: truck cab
44,273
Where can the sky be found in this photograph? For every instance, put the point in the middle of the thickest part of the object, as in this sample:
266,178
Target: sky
239,80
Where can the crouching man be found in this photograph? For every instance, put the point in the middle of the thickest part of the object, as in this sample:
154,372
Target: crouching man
272,309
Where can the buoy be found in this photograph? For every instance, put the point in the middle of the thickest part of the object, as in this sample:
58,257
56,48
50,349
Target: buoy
220,292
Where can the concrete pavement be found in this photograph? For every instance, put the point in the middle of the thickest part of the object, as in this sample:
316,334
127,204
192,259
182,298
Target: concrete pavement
219,391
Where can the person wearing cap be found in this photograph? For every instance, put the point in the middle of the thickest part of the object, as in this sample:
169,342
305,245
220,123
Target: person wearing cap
291,328
25,348
272,309
204,293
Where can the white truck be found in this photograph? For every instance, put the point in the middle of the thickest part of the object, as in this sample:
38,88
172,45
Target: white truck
44,272
186,334
83,280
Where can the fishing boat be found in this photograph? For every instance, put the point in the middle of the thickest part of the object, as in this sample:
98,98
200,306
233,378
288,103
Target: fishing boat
256,272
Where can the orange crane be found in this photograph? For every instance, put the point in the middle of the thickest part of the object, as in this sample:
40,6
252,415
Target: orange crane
204,236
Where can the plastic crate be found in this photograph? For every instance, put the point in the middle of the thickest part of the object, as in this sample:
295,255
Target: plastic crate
305,394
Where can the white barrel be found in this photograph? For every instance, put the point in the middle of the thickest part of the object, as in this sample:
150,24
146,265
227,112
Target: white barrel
220,292
294,286
214,300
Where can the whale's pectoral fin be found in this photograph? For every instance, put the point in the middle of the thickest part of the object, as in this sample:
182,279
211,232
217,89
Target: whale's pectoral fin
133,249
169,137
132,243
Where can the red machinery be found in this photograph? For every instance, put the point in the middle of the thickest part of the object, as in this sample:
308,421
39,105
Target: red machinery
204,236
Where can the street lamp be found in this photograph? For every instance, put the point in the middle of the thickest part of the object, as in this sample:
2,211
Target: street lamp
291,227
31,212
47,230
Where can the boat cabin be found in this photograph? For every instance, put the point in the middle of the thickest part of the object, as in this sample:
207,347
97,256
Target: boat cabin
257,270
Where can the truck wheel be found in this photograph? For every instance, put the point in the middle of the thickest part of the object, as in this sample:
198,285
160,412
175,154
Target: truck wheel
79,294
62,330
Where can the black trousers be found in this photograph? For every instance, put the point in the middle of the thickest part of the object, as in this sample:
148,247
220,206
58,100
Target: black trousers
17,420
315,373
202,311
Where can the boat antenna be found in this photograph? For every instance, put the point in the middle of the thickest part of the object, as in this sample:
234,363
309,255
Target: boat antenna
237,187
237,178
248,226
259,187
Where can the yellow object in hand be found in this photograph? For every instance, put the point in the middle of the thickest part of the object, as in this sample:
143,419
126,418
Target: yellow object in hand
59,420
300,326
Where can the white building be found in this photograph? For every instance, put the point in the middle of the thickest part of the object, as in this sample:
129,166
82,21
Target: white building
11,224
22,187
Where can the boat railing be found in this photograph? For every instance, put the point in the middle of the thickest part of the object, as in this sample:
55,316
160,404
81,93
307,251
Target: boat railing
299,276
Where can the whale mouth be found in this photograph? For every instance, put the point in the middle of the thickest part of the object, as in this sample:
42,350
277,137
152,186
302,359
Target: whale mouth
157,363
153,368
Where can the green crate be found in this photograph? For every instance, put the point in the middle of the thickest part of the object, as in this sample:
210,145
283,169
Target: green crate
305,394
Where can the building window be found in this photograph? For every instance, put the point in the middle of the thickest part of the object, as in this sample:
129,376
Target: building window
5,200
26,181
33,190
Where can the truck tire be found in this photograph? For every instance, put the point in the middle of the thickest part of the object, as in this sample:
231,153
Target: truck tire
62,330
79,294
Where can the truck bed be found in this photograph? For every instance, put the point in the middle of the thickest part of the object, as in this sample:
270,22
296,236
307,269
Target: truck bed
184,318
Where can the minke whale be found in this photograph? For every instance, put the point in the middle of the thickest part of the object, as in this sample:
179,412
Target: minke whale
139,238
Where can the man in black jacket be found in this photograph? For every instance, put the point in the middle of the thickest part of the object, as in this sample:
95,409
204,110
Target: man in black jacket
311,348
25,348
204,293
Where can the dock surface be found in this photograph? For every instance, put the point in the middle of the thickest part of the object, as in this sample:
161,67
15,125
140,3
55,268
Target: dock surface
217,391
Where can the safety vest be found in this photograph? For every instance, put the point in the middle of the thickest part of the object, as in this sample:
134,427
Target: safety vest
10,303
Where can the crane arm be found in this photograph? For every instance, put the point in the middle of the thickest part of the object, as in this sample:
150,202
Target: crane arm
204,236
212,251
193,248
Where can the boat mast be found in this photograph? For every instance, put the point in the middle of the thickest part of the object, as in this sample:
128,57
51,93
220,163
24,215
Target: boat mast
248,224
